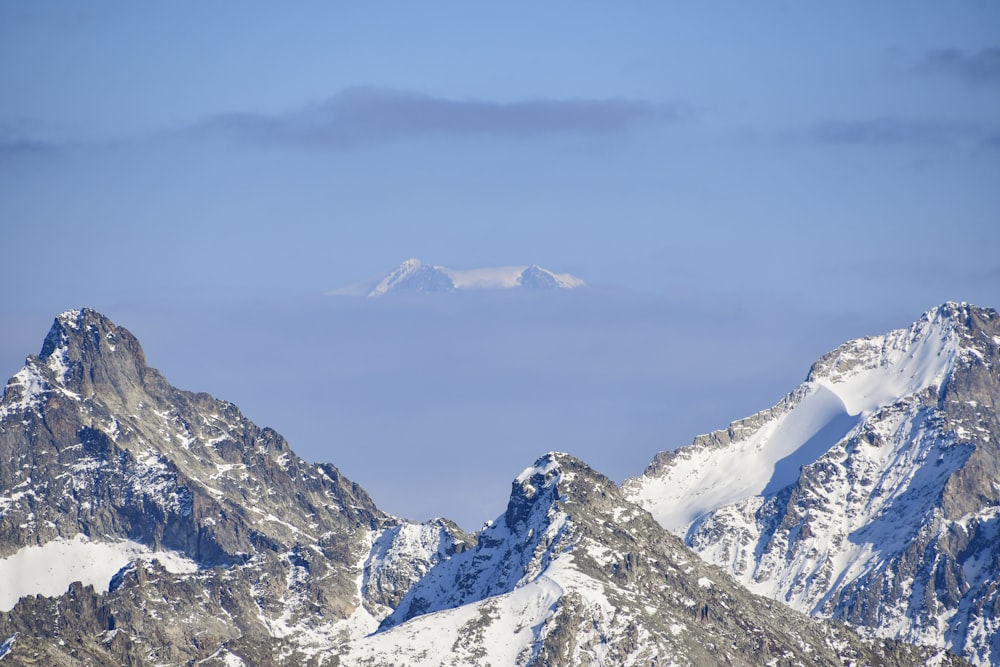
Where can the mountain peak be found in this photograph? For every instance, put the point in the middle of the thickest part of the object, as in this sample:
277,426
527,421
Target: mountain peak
85,351
534,490
535,277
514,549
73,324
554,477
905,361
413,276
962,309
546,466
962,315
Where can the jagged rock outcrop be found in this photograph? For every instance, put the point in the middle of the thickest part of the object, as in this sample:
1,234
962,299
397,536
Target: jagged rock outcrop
258,554
869,494
403,554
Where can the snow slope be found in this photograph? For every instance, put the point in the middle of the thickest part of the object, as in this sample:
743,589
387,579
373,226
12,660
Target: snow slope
49,569
459,636
762,454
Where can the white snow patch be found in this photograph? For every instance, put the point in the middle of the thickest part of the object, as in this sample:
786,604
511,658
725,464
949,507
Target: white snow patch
704,479
908,361
70,318
227,658
223,468
33,388
497,277
6,502
432,638
550,463
7,645
49,569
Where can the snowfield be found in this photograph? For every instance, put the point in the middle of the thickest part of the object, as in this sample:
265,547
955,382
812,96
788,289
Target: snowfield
49,569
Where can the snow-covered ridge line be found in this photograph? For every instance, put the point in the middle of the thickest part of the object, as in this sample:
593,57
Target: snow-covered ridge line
763,453
416,276
506,277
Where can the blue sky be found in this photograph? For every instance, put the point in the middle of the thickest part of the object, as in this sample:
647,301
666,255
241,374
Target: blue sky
829,168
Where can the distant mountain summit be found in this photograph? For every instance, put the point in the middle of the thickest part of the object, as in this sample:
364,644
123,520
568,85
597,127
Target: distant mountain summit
415,276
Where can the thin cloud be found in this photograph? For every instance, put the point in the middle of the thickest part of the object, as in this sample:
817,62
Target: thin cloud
16,140
980,68
15,147
14,152
367,115
890,131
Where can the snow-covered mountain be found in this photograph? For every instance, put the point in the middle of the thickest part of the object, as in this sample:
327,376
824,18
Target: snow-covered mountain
145,525
870,494
193,534
574,574
415,276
